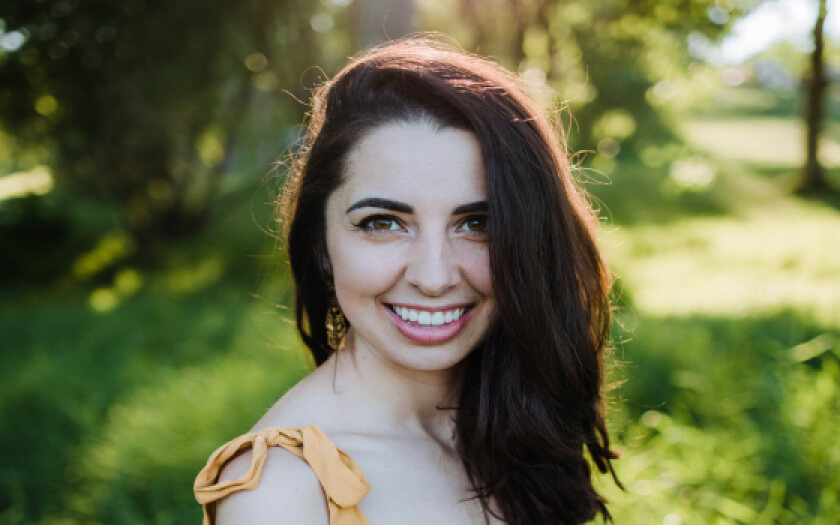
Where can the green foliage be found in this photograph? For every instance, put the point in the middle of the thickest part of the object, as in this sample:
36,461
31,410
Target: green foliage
145,103
114,411
727,411
599,58
24,223
120,373
743,449
727,332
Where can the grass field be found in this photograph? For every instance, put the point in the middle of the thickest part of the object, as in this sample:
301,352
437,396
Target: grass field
769,142
728,333
727,340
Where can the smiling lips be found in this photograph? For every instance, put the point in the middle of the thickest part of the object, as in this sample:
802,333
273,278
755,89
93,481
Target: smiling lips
429,326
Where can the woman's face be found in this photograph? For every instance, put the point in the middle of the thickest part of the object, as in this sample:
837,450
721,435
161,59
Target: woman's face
407,242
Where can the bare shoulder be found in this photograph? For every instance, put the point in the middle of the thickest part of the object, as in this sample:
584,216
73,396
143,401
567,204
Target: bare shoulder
310,401
288,492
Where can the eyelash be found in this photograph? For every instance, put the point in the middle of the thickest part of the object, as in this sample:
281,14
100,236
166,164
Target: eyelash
366,224
470,218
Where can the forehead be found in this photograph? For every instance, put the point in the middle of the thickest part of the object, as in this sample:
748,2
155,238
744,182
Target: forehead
413,162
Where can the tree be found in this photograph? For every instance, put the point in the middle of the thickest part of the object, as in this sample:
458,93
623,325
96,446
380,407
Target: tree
602,57
142,103
380,20
813,181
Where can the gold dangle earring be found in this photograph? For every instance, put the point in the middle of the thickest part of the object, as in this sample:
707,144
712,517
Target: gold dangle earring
335,324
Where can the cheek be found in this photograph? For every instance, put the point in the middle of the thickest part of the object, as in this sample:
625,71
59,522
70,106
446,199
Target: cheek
476,268
361,272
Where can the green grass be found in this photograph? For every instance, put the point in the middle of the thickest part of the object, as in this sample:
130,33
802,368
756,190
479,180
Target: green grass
728,332
114,388
735,266
113,411
777,142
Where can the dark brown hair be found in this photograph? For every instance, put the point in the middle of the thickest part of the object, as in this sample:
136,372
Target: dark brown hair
530,404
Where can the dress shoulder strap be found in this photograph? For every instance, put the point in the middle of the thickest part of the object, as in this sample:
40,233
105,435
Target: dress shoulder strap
343,481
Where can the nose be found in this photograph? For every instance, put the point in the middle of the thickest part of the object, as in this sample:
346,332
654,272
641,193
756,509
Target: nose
432,267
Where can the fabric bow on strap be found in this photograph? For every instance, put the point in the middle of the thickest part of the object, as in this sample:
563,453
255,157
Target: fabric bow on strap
343,481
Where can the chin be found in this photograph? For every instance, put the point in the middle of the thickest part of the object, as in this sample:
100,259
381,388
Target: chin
432,359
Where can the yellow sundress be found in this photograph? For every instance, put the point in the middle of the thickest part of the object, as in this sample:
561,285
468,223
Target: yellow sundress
343,481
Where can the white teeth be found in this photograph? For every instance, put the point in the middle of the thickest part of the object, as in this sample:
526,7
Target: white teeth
426,318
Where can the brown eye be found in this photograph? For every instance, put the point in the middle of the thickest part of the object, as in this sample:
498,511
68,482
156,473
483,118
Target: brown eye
380,223
475,223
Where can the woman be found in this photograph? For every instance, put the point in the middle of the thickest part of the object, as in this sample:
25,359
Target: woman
449,287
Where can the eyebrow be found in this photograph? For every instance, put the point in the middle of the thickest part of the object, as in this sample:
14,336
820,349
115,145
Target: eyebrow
376,202
401,207
472,207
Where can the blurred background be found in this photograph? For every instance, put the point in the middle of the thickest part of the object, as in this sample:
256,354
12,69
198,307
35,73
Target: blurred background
145,313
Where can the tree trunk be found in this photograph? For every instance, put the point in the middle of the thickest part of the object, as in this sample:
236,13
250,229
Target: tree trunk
813,180
381,20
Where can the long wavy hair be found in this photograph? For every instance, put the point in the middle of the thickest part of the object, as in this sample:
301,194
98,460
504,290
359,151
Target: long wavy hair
531,402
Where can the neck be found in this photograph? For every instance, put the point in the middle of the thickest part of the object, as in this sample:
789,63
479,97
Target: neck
397,400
